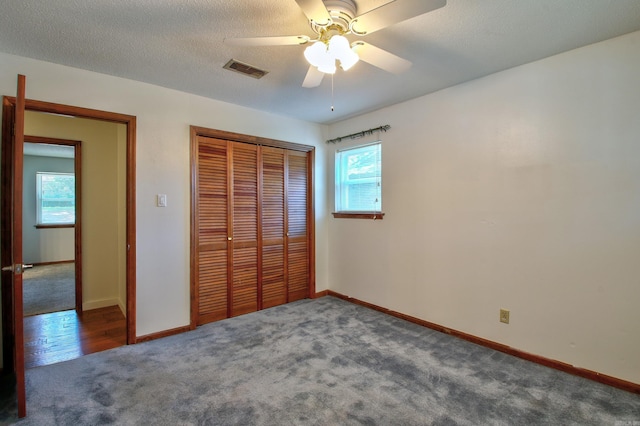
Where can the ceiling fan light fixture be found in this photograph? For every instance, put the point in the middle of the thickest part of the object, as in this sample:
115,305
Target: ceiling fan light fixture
323,56
320,57
328,65
316,53
340,49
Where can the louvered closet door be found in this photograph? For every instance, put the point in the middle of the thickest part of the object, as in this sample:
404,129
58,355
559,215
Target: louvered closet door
251,230
244,289
274,289
297,227
211,258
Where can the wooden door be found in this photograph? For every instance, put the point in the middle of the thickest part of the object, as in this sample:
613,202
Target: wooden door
297,196
12,169
212,230
274,282
244,229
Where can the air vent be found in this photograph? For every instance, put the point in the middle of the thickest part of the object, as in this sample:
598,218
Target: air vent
245,69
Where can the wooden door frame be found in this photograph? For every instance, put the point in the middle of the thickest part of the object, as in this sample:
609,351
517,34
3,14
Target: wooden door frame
129,121
77,168
196,132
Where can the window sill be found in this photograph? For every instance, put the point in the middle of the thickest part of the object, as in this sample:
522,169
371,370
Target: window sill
358,215
67,225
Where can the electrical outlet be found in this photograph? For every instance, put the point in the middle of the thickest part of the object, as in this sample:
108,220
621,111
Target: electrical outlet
504,316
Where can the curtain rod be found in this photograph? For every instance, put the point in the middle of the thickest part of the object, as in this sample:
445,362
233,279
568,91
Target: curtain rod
360,134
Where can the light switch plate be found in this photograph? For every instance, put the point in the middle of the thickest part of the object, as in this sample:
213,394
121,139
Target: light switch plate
162,200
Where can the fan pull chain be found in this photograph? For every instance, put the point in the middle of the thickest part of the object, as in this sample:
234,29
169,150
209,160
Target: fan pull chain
332,92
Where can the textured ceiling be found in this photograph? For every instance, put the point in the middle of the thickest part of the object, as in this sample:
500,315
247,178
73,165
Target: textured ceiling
179,44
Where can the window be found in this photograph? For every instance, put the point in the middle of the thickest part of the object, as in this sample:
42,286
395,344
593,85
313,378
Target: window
359,179
56,199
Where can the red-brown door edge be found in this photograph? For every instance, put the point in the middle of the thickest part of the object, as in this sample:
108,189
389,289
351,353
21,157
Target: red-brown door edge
11,240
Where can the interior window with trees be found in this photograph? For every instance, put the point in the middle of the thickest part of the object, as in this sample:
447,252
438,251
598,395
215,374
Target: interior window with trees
56,198
359,179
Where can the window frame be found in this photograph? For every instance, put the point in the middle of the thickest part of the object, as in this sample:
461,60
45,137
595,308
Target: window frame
338,184
39,200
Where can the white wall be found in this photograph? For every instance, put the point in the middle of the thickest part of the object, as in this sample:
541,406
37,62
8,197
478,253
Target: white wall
162,166
520,190
122,215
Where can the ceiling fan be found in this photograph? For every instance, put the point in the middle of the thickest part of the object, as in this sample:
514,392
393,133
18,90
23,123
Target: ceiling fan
331,21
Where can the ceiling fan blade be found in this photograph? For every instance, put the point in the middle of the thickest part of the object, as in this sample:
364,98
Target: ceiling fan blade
381,58
267,41
316,11
392,13
313,78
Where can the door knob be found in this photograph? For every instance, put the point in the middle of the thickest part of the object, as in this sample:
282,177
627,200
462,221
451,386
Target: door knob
16,269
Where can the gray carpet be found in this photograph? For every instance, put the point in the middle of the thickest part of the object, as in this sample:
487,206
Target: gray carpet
320,362
48,288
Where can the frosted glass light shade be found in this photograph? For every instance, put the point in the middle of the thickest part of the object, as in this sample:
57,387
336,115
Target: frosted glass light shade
349,60
316,53
328,65
339,47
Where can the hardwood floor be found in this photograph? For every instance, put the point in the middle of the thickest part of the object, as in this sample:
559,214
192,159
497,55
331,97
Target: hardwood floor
61,336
